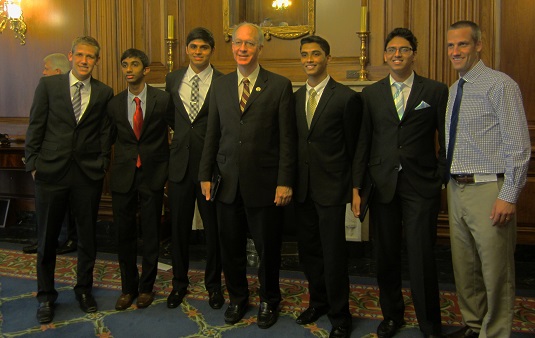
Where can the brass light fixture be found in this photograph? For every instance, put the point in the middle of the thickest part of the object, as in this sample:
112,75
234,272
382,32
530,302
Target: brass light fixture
11,12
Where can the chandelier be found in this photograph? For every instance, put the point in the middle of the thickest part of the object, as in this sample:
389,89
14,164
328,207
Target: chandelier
281,4
11,13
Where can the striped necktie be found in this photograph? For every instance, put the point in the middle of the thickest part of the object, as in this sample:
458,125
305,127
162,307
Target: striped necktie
312,103
245,94
77,101
399,100
194,103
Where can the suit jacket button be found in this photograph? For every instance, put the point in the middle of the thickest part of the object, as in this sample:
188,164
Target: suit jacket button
241,122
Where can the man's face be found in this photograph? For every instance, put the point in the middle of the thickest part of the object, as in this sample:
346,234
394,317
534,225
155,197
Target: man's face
133,70
199,53
314,60
83,60
399,56
463,51
49,70
245,47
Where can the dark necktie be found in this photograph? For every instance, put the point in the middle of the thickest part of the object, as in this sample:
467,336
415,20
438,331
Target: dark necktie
453,124
194,103
77,101
138,124
245,94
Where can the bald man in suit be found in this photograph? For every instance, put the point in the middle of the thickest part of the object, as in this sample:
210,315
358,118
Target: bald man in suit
68,153
251,138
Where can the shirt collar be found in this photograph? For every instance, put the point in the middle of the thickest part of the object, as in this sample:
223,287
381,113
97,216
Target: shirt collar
203,76
408,82
474,73
252,77
142,96
320,86
73,80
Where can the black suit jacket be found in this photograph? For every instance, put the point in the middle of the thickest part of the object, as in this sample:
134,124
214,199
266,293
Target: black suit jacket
188,139
257,149
326,150
153,145
385,141
54,139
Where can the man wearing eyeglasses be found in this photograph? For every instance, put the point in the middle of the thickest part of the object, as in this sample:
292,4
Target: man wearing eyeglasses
402,115
251,138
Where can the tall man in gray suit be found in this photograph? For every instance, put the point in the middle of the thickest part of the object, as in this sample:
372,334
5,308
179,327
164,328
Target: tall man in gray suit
402,115
328,123
139,118
68,152
251,138
190,89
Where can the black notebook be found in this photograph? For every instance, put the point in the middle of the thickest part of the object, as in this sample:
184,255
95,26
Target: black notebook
366,194
215,183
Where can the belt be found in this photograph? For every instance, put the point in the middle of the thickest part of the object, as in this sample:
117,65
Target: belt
468,178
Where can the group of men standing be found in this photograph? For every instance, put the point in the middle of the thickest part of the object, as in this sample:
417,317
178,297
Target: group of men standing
270,146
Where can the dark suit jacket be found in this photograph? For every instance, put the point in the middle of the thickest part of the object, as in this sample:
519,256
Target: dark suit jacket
188,139
325,152
153,145
54,139
255,149
385,141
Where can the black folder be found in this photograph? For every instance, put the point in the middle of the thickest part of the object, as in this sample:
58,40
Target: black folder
215,183
366,194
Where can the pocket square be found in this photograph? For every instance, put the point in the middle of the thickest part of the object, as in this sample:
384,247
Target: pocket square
422,105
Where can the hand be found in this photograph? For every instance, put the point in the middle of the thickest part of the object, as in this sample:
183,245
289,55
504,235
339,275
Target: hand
205,188
502,212
355,203
33,174
283,196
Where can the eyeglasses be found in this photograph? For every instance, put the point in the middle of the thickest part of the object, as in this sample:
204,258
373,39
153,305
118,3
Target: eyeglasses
402,50
248,44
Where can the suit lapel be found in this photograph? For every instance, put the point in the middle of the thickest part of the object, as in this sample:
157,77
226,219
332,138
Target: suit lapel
177,82
259,87
66,91
300,99
414,97
95,92
386,92
325,97
149,107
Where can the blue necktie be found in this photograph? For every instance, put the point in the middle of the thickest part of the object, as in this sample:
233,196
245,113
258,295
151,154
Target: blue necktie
453,123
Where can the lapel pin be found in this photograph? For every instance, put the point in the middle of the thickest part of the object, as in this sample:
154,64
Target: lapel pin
258,89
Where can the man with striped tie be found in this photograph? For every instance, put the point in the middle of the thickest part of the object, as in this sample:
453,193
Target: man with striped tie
251,138
402,115
68,153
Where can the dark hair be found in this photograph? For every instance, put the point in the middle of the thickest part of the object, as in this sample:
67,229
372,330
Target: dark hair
203,34
136,53
86,40
476,31
319,40
403,33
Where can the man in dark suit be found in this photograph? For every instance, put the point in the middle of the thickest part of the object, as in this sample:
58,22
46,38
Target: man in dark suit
328,122
251,139
190,89
139,119
67,151
402,114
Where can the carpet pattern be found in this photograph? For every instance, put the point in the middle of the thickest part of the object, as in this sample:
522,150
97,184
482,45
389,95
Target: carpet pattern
196,318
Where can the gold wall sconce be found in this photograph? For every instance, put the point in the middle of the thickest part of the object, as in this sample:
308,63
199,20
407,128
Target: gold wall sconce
11,13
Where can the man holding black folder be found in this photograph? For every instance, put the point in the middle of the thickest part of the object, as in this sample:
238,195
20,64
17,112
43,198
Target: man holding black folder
328,118
396,148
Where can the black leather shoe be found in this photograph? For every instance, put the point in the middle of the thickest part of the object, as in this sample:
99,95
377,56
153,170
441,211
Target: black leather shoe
216,299
464,332
175,298
340,332
234,313
30,249
68,246
267,315
310,315
87,302
388,328
45,312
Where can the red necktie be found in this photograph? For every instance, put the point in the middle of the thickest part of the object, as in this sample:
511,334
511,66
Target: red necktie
138,124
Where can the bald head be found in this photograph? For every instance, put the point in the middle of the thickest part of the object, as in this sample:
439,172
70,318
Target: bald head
56,63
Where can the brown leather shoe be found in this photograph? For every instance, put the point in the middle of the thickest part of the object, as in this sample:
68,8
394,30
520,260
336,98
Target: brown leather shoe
124,301
145,299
